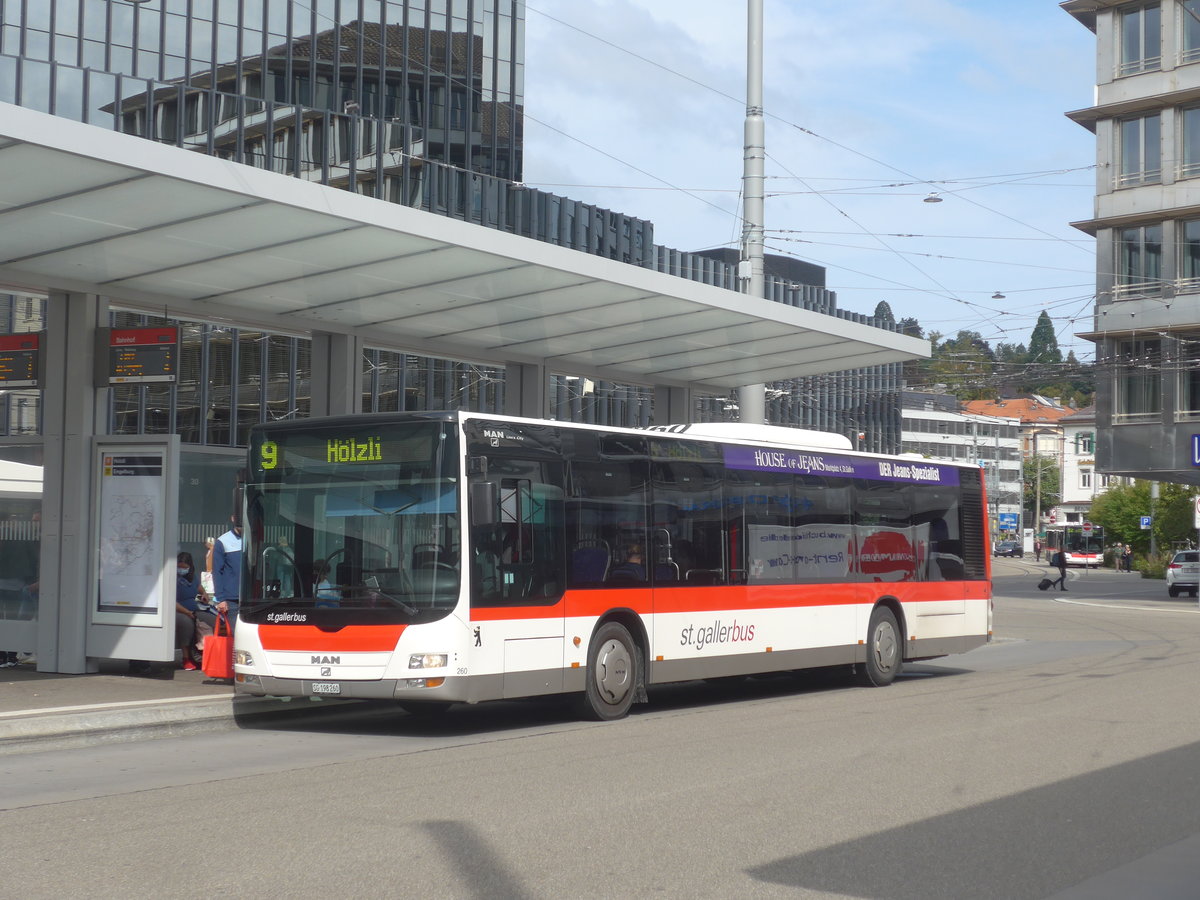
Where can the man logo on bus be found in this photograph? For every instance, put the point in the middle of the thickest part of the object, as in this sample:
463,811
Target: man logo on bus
326,661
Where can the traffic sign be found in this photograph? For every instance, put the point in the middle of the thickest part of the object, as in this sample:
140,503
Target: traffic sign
1145,523
1087,527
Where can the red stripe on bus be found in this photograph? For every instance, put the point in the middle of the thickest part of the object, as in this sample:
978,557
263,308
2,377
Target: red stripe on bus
645,601
365,638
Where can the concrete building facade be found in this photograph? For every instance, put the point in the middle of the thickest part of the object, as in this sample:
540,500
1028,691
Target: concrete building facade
1146,221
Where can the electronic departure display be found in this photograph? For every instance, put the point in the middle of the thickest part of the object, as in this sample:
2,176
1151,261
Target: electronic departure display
20,360
137,355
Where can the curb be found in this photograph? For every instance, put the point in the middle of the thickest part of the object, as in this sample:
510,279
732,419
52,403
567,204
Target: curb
108,723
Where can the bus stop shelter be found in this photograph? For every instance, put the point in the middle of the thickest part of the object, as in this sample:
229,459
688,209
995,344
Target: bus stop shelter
94,219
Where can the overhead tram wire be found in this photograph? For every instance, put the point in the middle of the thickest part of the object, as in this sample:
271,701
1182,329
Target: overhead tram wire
736,218
915,178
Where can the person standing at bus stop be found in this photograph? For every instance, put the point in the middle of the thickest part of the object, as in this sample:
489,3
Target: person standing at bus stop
227,571
1059,559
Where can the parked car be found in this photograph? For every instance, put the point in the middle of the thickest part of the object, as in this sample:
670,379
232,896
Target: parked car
1183,573
1008,548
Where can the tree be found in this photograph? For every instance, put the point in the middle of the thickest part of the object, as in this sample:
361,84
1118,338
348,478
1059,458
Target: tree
883,314
964,363
1046,487
1043,343
1119,510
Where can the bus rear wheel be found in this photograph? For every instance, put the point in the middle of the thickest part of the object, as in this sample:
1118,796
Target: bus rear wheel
613,674
884,650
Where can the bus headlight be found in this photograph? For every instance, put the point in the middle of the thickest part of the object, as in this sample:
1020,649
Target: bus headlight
428,661
242,658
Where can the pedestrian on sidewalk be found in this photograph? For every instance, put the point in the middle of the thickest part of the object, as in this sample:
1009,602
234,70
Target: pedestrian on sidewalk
1037,549
1059,559
1127,558
227,570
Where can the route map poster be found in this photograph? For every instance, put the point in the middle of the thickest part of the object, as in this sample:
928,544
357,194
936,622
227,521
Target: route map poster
131,533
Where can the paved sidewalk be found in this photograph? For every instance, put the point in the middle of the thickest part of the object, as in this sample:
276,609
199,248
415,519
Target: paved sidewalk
40,711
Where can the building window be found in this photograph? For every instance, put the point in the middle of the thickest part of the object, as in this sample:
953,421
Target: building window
1139,260
1188,254
1136,371
1140,151
1085,478
1085,443
1189,142
1139,37
1188,366
1189,30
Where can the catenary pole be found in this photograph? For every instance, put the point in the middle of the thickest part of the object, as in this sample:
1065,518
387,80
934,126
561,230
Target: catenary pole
752,397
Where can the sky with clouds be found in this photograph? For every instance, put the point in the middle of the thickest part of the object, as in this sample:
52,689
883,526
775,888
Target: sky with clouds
638,106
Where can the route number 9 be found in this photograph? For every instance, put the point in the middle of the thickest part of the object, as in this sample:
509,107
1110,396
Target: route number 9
268,455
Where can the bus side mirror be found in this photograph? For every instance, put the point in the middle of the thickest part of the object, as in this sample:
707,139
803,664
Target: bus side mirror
485,503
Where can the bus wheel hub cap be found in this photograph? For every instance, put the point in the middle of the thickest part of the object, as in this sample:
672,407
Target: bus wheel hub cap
612,671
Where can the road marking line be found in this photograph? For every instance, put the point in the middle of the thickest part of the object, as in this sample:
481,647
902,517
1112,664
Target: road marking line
129,704
1113,606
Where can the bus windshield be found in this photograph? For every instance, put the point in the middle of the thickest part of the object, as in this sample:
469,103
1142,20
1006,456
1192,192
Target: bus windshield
352,523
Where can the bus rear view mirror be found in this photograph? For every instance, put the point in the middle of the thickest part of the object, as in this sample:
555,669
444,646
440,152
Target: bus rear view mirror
485,503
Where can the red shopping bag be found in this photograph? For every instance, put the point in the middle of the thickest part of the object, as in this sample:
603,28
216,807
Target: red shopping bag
218,650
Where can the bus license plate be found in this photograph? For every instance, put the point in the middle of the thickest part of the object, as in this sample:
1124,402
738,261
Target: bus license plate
326,687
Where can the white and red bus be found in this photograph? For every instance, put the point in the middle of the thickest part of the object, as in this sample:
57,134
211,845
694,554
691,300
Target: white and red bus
1082,545
434,558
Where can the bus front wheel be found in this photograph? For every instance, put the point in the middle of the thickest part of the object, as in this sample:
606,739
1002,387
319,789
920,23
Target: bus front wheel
884,649
612,674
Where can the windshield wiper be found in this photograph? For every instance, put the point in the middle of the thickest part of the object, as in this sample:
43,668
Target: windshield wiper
393,599
372,586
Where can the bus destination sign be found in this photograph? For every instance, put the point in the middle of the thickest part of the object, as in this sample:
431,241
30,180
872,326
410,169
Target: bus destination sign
20,362
137,355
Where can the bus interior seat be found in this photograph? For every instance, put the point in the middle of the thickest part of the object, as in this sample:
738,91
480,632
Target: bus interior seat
590,560
428,555
627,573
666,572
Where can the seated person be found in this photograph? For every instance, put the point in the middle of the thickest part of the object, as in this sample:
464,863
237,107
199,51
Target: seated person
193,620
325,592
633,568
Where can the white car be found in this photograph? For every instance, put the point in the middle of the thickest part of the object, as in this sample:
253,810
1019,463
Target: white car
1183,573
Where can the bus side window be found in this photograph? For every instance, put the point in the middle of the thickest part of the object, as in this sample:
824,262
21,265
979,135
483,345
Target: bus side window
690,495
518,559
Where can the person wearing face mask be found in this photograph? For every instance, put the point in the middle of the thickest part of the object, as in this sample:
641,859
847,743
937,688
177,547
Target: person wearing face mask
192,622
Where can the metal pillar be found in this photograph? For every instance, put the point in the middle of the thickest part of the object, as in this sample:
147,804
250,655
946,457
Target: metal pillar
74,412
752,397
336,379
526,391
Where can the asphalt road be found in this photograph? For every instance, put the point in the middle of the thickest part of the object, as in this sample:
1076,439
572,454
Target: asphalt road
1060,761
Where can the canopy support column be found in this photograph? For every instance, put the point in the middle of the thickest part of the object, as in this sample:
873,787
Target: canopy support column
336,374
73,411
525,390
673,405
